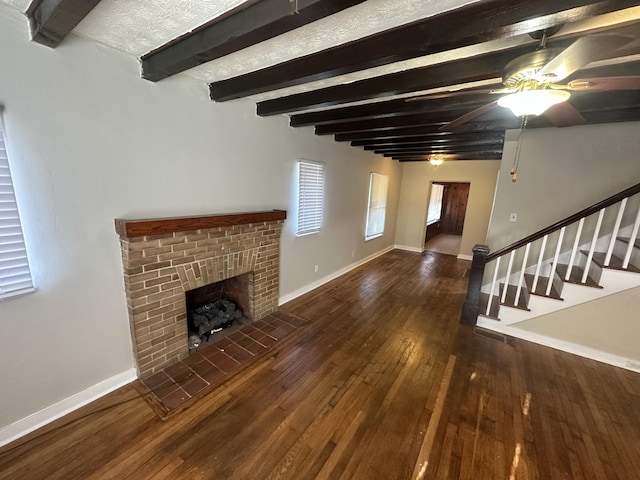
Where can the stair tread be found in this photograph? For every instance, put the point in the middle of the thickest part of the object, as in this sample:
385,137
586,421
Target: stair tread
510,299
495,306
576,276
615,263
541,288
626,240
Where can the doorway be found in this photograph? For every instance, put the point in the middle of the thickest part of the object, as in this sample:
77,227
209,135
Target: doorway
445,219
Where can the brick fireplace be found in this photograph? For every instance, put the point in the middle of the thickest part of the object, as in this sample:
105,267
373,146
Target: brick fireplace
163,258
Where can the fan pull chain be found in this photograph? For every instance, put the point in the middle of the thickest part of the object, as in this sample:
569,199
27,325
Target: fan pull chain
516,160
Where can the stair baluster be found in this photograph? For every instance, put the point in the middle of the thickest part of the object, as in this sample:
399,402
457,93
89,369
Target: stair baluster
614,233
576,243
506,278
592,248
522,269
536,276
555,259
493,285
632,241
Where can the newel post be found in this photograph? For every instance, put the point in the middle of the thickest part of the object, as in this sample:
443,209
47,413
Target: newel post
471,307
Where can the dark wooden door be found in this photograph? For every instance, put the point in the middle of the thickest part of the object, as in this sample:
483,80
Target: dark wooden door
454,207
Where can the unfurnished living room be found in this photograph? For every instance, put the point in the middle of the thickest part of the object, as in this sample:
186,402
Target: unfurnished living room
217,230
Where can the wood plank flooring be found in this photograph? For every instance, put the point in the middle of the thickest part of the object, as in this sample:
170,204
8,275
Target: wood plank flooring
382,383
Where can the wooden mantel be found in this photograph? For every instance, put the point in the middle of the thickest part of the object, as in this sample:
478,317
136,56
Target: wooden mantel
160,226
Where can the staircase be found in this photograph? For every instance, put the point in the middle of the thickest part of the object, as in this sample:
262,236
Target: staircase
591,254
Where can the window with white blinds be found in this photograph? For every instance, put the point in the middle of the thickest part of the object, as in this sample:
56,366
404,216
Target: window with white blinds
15,275
435,204
377,205
310,197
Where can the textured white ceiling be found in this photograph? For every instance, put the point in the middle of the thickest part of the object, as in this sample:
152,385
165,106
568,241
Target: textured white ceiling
139,26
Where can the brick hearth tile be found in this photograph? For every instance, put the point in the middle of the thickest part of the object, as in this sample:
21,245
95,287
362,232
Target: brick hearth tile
255,348
222,343
244,341
179,372
238,353
256,334
194,359
266,340
235,336
194,386
248,330
214,376
174,398
203,367
224,362
267,328
280,333
157,380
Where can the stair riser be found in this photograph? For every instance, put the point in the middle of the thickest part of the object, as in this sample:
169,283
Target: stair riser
620,250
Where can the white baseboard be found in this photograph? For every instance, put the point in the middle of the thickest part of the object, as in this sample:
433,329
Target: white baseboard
563,345
464,257
47,415
312,286
409,249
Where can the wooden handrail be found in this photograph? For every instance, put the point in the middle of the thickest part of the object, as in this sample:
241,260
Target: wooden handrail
565,222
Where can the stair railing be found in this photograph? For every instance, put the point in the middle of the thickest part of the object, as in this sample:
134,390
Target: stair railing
481,255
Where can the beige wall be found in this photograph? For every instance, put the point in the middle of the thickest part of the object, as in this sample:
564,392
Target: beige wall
609,324
90,141
561,171
414,199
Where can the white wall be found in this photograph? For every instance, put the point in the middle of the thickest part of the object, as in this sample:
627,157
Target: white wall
561,171
416,189
90,141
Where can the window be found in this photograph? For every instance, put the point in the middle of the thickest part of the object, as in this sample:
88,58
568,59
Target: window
435,204
15,276
377,205
310,197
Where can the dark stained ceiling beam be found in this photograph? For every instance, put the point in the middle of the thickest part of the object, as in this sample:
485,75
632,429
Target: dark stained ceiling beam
432,145
475,23
435,121
473,69
390,108
449,158
431,151
454,139
247,25
427,132
51,21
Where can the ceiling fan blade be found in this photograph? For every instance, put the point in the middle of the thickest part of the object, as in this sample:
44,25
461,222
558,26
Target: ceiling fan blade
564,115
580,53
470,116
605,83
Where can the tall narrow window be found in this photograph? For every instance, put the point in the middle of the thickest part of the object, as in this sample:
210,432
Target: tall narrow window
310,197
377,205
435,204
15,275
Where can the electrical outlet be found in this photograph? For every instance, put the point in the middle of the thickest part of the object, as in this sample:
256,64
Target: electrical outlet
315,268
513,217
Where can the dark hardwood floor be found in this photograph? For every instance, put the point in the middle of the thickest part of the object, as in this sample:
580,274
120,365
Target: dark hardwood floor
381,384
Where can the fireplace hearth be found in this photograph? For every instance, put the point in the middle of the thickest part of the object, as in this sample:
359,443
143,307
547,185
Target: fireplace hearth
165,259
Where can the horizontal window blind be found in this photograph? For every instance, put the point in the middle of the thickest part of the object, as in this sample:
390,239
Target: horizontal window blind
377,205
310,197
15,275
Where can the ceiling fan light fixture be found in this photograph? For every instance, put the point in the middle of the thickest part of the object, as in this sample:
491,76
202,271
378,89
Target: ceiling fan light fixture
533,102
436,160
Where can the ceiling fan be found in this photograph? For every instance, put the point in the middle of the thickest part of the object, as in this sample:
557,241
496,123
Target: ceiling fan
531,80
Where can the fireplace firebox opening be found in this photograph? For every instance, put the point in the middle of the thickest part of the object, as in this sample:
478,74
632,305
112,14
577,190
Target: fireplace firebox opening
218,308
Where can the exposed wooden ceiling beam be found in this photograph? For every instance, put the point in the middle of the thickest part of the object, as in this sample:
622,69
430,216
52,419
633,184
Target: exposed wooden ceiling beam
390,108
455,139
251,23
466,70
449,158
430,151
475,23
427,132
51,20
431,145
